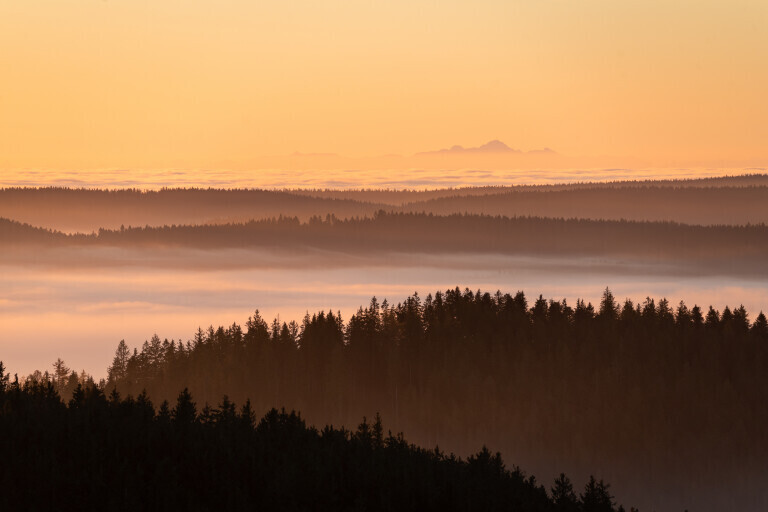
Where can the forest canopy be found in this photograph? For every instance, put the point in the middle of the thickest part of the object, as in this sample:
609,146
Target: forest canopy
631,387
98,451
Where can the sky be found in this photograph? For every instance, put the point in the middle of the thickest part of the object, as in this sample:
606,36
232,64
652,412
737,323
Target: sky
233,84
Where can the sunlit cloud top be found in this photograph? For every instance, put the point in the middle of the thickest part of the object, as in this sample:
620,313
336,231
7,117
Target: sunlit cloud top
346,179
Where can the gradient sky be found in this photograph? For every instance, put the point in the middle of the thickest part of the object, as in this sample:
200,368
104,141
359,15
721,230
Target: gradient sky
142,84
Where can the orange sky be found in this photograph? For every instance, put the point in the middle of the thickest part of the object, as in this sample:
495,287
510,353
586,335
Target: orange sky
150,84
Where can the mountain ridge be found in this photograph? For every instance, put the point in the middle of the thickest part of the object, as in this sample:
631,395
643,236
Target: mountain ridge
494,147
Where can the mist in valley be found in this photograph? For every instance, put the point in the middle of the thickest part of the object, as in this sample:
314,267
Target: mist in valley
76,303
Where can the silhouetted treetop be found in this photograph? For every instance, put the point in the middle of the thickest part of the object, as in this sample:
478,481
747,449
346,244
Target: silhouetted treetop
654,394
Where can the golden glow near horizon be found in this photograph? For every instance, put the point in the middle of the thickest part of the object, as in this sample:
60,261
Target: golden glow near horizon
92,84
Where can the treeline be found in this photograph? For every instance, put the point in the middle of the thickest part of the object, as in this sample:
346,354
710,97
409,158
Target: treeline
102,451
671,403
17,233
722,200
87,210
689,205
400,197
740,249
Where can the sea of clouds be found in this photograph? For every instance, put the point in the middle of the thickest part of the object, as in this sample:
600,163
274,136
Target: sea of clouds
347,178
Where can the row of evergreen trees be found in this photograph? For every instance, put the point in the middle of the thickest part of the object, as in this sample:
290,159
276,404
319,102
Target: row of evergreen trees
381,342
653,395
115,453
735,249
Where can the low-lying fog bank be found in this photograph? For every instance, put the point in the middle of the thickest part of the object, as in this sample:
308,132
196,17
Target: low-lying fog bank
348,178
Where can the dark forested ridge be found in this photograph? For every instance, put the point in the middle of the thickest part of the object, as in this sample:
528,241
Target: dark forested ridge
669,403
689,205
723,200
395,197
721,249
18,233
112,453
87,210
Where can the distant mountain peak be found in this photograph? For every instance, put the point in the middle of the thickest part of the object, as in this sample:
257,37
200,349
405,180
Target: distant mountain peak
491,147
495,146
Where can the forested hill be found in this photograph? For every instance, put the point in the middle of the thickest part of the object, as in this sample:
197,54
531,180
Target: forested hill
726,200
87,210
16,233
669,402
395,197
722,249
99,452
689,205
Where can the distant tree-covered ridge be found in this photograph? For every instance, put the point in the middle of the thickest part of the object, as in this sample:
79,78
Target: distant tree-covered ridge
690,205
87,210
720,248
711,201
106,452
400,197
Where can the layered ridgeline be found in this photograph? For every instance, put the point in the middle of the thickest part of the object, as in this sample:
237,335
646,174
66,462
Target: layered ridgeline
679,248
667,402
99,452
726,200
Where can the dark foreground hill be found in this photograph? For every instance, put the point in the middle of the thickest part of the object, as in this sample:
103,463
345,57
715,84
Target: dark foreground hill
669,402
108,453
